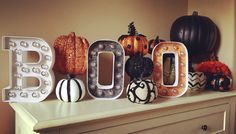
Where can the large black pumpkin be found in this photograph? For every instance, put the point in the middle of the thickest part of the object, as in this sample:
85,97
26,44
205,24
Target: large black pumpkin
138,66
198,33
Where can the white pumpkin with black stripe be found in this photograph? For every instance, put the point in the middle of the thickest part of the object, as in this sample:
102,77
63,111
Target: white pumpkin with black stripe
141,91
70,90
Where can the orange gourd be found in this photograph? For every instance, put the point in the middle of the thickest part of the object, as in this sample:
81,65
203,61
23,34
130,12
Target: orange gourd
134,43
71,54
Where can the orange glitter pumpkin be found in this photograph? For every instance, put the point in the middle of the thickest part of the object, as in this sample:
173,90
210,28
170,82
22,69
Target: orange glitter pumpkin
134,43
71,54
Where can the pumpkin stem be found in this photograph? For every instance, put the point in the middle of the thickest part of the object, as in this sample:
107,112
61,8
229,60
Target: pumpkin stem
136,54
70,76
195,13
72,34
132,30
157,40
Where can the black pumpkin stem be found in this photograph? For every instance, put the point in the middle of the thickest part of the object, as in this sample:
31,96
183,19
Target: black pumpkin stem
137,54
195,13
132,30
70,76
157,40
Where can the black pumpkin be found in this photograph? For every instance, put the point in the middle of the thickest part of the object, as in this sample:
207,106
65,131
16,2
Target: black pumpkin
138,66
219,82
198,33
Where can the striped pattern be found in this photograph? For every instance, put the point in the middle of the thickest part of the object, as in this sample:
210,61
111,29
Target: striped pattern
71,90
196,80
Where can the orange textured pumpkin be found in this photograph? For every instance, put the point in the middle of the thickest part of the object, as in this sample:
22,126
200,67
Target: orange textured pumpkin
71,54
134,43
152,43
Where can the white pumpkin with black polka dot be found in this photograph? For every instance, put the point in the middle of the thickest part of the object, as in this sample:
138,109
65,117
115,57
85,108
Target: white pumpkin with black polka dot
70,90
141,91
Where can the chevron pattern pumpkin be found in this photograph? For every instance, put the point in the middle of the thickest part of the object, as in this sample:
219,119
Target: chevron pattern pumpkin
196,80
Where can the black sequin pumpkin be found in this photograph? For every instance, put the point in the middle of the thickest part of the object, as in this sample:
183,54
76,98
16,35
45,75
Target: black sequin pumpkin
138,66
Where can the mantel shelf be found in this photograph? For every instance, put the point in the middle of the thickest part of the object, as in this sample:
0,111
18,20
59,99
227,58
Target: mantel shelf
54,113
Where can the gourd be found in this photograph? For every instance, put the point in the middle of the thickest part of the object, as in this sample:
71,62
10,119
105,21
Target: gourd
141,91
133,43
71,54
198,33
70,90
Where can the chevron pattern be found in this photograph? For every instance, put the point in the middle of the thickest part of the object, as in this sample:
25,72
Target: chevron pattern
196,80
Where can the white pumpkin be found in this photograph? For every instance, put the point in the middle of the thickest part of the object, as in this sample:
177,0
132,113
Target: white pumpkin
196,81
141,91
70,90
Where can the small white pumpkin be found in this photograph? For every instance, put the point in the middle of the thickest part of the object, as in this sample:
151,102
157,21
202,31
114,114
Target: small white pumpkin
141,91
70,90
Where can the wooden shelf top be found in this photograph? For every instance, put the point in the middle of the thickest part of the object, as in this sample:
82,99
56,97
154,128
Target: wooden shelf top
54,113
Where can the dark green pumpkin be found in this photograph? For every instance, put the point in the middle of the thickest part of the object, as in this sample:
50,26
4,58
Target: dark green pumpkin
198,33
